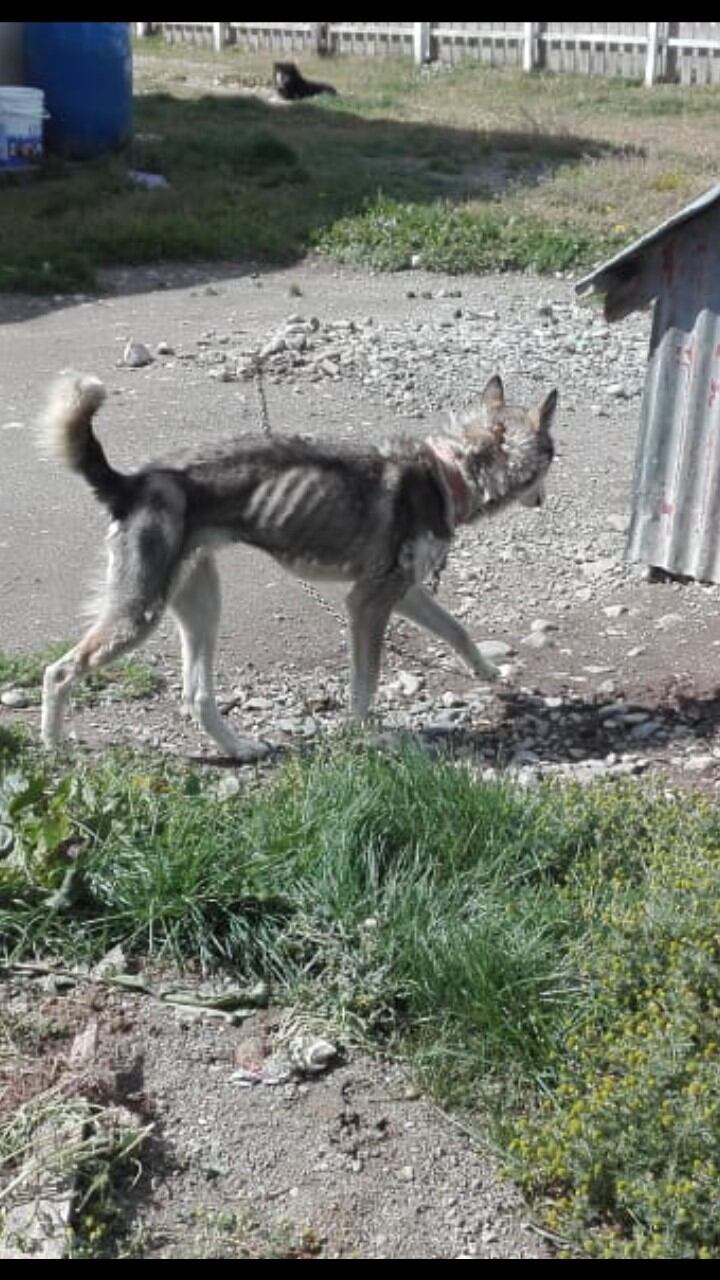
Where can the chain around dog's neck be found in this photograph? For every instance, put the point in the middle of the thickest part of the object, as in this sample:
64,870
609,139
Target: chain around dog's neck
451,472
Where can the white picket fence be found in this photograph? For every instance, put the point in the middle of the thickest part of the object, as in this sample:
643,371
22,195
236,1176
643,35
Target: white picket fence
688,52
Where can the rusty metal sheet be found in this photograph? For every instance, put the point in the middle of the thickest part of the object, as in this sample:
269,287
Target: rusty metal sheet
676,485
613,271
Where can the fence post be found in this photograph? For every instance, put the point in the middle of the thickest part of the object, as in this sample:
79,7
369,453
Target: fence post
670,69
652,55
220,35
319,37
530,45
143,29
421,42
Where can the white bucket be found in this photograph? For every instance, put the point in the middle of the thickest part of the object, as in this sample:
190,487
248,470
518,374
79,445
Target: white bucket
21,126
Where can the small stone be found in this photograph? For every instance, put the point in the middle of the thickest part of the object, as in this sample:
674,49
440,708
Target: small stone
136,355
615,610
288,726
634,717
259,704
453,700
646,730
619,523
537,640
273,347
438,729
16,698
407,1173
667,621
541,624
410,684
597,568
164,349
229,785
312,1054
495,650
698,764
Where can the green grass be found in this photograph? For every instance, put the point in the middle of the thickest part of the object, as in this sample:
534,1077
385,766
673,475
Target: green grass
484,169
391,236
129,679
553,953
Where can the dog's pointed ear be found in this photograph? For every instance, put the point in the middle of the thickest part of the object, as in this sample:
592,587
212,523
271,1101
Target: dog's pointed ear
494,393
543,414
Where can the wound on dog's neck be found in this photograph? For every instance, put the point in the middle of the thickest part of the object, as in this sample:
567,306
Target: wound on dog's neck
451,473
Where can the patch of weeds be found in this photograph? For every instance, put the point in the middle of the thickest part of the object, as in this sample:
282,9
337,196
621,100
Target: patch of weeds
670,180
133,680
26,669
234,1234
622,1155
86,1149
12,740
390,235
130,679
105,1174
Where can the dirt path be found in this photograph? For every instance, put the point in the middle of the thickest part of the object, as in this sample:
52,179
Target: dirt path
352,1163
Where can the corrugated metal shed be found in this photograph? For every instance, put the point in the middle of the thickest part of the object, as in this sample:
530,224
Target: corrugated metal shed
676,488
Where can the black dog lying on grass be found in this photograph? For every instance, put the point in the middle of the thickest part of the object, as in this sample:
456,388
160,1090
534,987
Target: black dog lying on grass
292,85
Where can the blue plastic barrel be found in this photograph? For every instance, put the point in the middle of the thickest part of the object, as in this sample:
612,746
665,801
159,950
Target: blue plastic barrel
85,72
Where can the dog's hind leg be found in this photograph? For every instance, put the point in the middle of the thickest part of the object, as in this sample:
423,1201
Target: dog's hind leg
196,608
143,554
418,606
110,638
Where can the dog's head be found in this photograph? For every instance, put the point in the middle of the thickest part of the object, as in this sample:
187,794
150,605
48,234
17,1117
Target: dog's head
285,75
520,437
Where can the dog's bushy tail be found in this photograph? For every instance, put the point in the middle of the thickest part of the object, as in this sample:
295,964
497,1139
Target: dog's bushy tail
66,434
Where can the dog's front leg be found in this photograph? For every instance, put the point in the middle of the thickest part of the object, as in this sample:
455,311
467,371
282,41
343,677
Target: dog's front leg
369,606
418,606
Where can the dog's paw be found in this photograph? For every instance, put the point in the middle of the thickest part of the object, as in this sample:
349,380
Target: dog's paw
487,671
250,750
